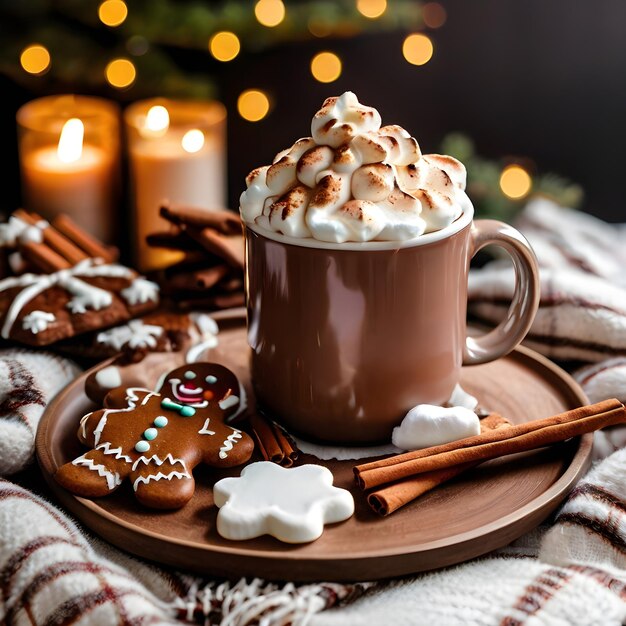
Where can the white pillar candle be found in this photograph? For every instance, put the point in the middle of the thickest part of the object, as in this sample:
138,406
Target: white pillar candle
177,154
69,160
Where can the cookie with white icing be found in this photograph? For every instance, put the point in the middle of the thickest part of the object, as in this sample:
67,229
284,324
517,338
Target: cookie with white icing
146,348
291,504
158,331
156,439
41,309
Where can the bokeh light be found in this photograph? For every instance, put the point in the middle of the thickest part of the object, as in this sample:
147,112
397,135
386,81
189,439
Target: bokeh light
224,46
417,49
112,12
253,105
120,73
35,59
158,118
319,27
515,182
193,140
269,12
326,67
371,8
434,15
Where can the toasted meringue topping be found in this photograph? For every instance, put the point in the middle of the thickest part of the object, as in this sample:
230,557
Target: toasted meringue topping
355,181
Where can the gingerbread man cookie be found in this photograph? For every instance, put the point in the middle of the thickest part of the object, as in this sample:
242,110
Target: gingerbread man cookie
155,439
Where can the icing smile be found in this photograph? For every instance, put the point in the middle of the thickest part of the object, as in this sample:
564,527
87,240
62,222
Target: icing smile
188,393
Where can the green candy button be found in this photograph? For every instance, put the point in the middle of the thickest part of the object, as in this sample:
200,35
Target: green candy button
142,446
187,411
161,421
150,433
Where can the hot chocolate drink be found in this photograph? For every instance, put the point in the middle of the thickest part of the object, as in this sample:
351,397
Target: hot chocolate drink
357,254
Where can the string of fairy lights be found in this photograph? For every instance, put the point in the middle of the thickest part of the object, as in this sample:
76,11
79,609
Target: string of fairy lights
326,66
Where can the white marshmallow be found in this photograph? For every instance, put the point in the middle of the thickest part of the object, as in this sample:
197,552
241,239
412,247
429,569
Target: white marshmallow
427,425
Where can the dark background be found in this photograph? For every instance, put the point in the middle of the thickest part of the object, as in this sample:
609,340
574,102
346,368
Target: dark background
523,78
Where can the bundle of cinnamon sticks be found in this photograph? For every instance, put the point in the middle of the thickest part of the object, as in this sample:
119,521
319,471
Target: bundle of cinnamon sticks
273,442
399,479
43,247
211,273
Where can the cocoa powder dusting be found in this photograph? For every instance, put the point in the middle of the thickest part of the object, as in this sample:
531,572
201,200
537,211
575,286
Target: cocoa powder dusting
327,191
253,174
310,157
343,154
444,158
290,202
427,198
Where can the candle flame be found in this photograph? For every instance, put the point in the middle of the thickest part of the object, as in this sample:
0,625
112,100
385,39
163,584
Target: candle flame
157,119
193,140
70,146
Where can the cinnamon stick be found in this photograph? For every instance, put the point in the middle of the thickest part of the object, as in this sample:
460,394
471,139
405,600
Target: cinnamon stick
225,222
175,240
492,444
193,260
198,280
63,246
218,301
228,247
86,242
23,215
274,445
57,241
232,284
44,258
390,498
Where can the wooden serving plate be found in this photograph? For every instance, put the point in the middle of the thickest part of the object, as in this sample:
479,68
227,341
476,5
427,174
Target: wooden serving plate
483,509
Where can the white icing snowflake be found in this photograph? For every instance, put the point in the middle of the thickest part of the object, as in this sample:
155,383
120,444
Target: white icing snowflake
141,291
291,504
38,321
86,296
135,334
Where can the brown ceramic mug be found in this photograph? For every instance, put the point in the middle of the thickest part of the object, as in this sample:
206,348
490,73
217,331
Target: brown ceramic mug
346,338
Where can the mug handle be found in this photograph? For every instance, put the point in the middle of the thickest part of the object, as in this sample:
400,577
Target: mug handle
510,332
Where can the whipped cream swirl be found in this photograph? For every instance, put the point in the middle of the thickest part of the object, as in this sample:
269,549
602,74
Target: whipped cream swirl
354,180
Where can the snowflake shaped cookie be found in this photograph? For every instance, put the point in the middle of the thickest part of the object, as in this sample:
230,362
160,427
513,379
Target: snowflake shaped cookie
291,504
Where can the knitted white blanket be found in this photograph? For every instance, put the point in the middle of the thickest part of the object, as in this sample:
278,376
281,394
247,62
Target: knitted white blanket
568,573
582,313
